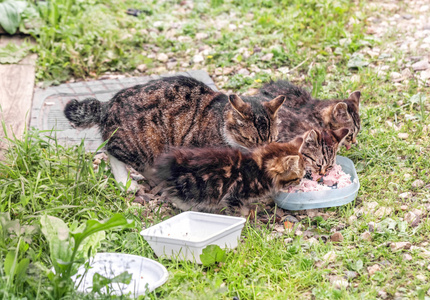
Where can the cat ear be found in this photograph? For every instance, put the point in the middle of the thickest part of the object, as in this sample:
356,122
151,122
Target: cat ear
291,163
275,104
297,143
355,96
239,105
340,112
340,134
311,137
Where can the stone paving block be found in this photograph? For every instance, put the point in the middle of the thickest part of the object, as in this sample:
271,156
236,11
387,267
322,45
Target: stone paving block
49,103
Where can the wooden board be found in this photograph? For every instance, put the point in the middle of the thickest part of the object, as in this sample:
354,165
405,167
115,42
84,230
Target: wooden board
16,93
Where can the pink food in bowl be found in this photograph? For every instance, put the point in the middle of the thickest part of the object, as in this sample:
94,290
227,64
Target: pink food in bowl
335,178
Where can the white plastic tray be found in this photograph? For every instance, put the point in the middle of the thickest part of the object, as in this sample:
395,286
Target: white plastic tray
147,274
327,198
184,236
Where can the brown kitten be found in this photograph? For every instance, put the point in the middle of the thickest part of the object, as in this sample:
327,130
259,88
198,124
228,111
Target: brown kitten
328,114
142,122
320,145
224,180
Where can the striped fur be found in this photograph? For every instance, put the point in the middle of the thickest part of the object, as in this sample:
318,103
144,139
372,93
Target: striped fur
321,114
224,180
143,121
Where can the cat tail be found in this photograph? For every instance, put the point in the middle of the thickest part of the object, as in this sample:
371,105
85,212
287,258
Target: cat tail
84,114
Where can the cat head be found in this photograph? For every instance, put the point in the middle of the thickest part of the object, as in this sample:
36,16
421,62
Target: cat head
250,122
283,162
345,114
319,148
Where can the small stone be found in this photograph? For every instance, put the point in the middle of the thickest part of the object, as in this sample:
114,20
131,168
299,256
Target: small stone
382,294
404,207
371,226
337,237
406,73
291,219
407,257
400,246
395,75
421,65
405,195
383,211
418,183
162,57
330,256
340,283
417,212
421,277
279,228
313,241
350,274
288,241
410,217
298,233
171,65
201,35
352,219
366,236
198,58
142,68
312,213
97,161
407,16
267,57
403,135
373,269
243,72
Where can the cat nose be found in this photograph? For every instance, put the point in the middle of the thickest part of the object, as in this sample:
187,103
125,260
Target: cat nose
354,140
322,172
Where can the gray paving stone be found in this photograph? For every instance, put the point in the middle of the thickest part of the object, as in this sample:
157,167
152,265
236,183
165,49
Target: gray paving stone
49,103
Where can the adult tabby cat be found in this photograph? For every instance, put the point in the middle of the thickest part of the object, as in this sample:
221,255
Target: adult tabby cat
143,121
225,180
326,114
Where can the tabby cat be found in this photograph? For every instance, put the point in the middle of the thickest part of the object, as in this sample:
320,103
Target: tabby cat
225,180
326,114
142,122
320,155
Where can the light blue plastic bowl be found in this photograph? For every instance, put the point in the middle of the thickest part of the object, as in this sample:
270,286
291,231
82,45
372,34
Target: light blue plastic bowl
327,198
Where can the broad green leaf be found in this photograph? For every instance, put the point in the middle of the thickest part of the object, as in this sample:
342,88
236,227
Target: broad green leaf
10,15
9,263
92,226
212,254
57,234
22,268
99,281
93,242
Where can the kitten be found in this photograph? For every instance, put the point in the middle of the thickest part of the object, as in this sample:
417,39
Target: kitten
329,114
321,144
142,122
225,180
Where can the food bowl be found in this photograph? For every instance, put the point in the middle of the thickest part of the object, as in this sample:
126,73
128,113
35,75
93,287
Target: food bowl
147,274
327,198
184,236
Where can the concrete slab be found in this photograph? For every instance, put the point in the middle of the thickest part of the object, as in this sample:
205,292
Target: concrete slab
48,105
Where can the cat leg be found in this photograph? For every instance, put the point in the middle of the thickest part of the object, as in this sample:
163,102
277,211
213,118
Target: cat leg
121,174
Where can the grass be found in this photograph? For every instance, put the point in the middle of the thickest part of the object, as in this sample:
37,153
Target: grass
314,38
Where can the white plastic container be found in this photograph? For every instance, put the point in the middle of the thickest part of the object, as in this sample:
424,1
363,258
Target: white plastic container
184,236
147,274
327,198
